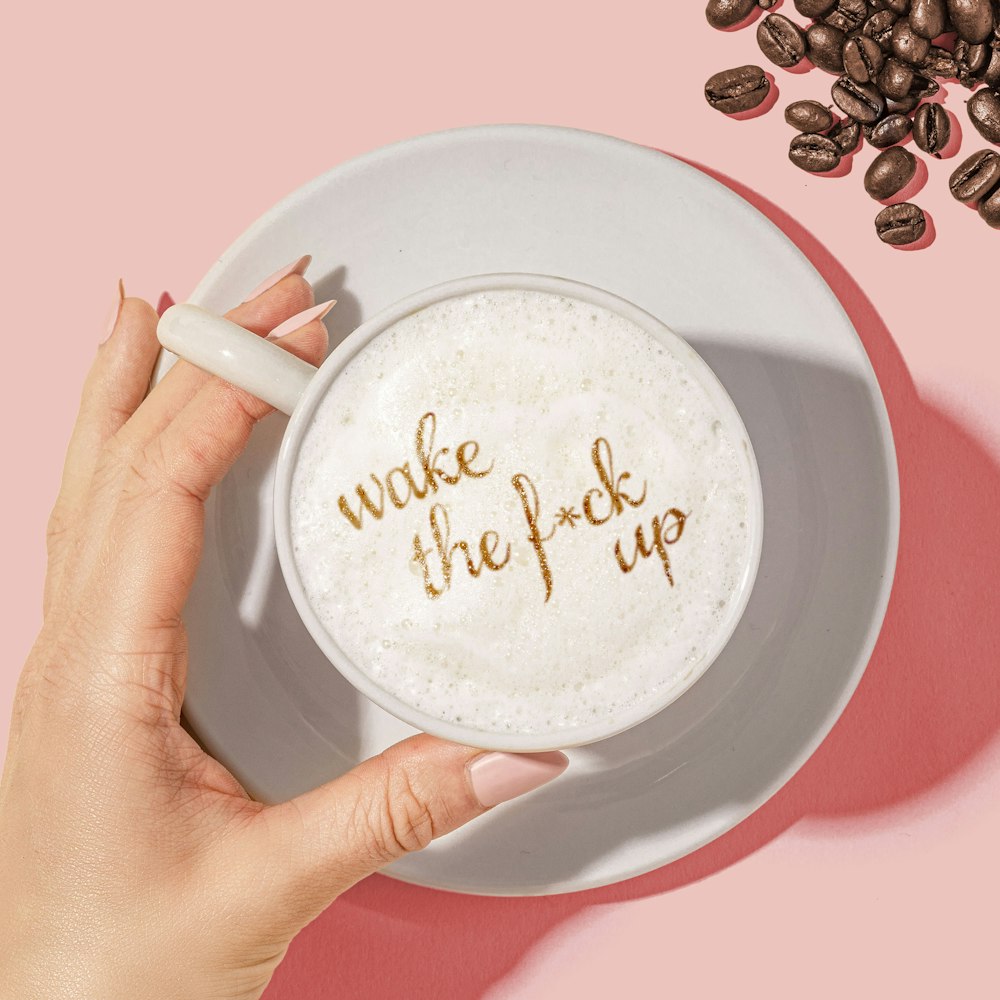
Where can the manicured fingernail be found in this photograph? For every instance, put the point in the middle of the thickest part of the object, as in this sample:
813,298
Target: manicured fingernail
116,310
296,267
166,301
498,777
302,318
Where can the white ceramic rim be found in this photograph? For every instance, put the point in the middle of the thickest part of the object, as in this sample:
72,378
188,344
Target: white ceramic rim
353,344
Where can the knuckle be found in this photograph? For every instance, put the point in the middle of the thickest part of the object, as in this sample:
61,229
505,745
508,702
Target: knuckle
245,407
118,410
149,473
144,474
50,687
398,822
199,458
241,410
132,471
116,453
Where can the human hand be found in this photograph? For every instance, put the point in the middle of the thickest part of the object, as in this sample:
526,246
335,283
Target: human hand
132,864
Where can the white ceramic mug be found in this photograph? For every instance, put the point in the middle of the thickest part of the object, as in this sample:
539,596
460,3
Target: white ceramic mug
296,388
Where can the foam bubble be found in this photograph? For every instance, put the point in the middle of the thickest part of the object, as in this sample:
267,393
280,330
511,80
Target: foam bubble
534,379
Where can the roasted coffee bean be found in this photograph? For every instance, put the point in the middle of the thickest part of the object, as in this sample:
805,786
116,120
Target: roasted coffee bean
781,40
890,172
861,101
886,64
826,47
848,15
907,44
976,176
808,116
898,7
900,225
971,60
888,131
879,28
815,153
931,128
984,113
903,106
940,63
989,209
726,13
862,58
895,79
928,17
920,87
814,8
991,75
846,134
736,90
972,19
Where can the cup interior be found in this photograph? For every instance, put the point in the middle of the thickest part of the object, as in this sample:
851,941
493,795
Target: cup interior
324,379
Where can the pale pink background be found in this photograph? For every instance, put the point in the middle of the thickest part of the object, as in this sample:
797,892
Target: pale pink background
141,139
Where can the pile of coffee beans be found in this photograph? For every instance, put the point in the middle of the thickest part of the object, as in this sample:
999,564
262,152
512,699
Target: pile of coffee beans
888,56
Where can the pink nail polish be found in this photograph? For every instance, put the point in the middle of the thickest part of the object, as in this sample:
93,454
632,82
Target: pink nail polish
301,319
296,267
166,301
115,312
498,777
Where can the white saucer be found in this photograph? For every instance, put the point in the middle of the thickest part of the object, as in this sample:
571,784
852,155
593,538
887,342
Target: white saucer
636,222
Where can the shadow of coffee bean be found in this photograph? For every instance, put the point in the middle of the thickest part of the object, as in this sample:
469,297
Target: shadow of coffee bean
955,140
842,169
801,67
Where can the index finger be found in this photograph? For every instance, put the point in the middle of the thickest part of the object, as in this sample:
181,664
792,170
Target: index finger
181,384
158,522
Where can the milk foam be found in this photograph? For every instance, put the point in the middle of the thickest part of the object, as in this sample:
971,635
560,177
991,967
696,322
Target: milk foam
534,379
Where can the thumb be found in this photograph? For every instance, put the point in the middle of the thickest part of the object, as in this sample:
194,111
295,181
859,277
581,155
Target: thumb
389,806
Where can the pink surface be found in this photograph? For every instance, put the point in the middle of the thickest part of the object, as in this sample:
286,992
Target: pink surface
146,141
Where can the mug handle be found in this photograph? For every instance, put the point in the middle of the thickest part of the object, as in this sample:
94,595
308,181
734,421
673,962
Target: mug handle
224,348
